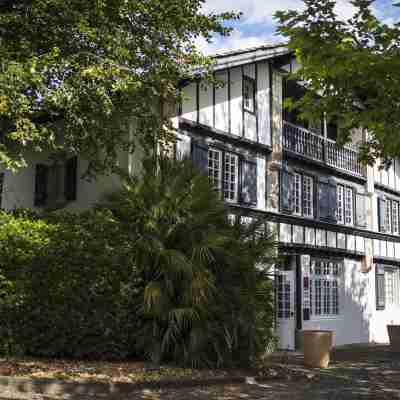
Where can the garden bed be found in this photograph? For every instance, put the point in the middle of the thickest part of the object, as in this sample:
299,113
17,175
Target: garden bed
136,372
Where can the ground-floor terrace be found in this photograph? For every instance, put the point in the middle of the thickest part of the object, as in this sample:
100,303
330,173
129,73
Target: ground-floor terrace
322,286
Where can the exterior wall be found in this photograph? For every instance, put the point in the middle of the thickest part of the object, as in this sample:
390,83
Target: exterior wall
390,177
19,188
220,106
352,325
184,149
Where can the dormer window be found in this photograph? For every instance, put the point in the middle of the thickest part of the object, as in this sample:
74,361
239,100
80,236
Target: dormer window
249,94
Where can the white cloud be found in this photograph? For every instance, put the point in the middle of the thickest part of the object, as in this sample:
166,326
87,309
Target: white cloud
257,22
237,40
262,11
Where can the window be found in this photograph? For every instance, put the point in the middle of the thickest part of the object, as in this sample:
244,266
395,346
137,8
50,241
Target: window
388,210
231,164
56,184
348,206
215,167
345,205
303,195
395,217
297,194
249,94
392,286
232,175
325,283
223,172
1,187
340,204
308,194
388,216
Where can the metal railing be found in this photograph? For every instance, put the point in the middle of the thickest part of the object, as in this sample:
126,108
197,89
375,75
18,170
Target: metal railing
308,144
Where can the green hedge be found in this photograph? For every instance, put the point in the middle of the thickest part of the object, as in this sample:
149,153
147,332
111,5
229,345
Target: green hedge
157,272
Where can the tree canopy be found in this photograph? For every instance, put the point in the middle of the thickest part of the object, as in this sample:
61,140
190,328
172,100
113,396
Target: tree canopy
75,74
351,70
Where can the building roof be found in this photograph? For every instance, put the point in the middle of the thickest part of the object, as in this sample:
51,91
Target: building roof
233,58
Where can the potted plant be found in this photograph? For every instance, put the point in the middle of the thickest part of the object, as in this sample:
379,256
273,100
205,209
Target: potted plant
317,345
394,336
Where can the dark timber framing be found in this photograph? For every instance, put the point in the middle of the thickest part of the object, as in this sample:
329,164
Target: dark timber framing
206,131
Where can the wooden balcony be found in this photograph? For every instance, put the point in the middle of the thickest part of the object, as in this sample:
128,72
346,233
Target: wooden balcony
303,142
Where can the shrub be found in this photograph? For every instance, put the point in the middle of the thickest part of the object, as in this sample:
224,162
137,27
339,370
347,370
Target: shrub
159,271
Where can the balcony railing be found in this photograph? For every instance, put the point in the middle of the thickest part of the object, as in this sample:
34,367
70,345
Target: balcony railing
305,143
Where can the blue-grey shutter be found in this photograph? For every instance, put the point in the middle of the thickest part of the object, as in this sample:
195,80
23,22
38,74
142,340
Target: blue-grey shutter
380,286
361,210
249,182
200,156
327,198
41,184
286,189
382,214
71,176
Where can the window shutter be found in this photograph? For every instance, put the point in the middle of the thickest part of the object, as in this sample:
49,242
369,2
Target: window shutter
380,286
327,196
361,210
200,157
287,181
249,182
70,186
41,183
382,214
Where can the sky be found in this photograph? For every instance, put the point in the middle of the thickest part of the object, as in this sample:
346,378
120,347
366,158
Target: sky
257,25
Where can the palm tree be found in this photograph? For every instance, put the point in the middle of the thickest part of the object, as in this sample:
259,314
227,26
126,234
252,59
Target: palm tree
205,296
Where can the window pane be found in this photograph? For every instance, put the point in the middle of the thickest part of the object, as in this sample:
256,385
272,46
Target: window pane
318,297
388,216
325,287
395,217
248,94
214,167
297,194
348,206
307,196
231,177
339,210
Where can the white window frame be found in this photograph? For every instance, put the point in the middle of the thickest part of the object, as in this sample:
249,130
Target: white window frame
230,182
395,217
325,282
388,215
215,168
308,196
348,206
340,204
297,194
249,94
392,286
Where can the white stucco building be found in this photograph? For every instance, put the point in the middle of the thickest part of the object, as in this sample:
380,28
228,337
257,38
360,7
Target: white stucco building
337,221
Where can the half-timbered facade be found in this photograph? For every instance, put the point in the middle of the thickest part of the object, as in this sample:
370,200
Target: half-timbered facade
337,221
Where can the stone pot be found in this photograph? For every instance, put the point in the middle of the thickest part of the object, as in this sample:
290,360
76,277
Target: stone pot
317,345
394,337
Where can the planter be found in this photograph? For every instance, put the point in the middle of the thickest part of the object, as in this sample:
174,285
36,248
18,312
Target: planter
317,345
394,337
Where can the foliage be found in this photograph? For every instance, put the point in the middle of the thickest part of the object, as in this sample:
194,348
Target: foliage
159,270
67,286
351,70
77,75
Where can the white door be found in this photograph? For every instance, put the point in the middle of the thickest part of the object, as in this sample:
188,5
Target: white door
286,321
